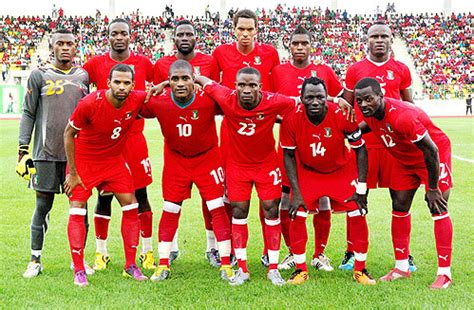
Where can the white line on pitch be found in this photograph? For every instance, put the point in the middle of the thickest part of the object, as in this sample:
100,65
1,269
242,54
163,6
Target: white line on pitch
463,159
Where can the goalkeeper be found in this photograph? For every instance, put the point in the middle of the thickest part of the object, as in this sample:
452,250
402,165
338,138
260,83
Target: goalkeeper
51,96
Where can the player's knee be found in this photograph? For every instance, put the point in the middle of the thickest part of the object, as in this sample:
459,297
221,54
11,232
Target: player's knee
400,206
324,204
78,205
142,198
44,203
238,212
104,205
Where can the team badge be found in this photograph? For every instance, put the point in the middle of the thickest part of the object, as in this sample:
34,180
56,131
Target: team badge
313,73
389,128
257,60
328,133
128,115
133,68
390,75
195,115
197,70
260,116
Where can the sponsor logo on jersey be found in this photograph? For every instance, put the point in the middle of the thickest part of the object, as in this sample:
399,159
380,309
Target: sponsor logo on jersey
328,133
390,75
128,115
257,60
195,114
313,73
197,70
389,128
260,116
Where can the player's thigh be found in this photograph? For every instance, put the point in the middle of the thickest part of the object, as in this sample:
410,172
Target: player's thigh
136,156
239,182
49,177
268,181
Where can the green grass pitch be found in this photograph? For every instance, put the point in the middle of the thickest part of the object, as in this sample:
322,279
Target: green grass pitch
196,285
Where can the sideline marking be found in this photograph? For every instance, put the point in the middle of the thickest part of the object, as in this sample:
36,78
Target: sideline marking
463,159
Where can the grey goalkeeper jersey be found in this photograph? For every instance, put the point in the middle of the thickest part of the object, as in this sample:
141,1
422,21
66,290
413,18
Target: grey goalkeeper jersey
51,97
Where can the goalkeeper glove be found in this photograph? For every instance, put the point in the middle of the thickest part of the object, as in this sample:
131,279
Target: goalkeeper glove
25,166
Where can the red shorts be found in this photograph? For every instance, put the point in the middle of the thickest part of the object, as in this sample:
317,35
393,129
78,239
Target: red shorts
136,156
338,186
405,178
108,176
224,142
179,174
281,162
266,177
379,170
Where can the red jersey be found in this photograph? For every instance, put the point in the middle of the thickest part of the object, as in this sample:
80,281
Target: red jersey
393,77
98,68
203,64
320,147
402,126
250,131
288,80
189,130
263,57
102,127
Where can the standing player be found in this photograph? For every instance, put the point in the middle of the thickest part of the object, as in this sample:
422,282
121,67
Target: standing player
185,42
251,114
319,164
136,150
396,81
422,154
287,79
94,140
245,52
191,155
52,95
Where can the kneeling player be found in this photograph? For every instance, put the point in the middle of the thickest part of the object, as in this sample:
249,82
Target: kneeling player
315,133
191,155
94,141
423,155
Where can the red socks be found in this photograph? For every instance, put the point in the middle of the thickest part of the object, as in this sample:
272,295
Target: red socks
206,214
262,222
240,236
146,224
285,227
401,228
273,237
350,243
299,238
101,226
322,227
76,232
130,232
167,229
443,230
360,235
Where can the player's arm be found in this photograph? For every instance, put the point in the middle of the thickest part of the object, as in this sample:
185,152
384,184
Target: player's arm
72,179
297,201
364,127
436,202
217,92
156,90
406,95
345,101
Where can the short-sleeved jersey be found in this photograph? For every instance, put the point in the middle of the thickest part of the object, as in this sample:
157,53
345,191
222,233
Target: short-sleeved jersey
263,57
203,64
392,75
99,67
320,147
250,131
102,127
190,130
402,126
288,79
51,97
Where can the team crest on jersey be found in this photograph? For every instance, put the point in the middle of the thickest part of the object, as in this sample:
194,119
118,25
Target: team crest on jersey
389,128
195,114
390,75
197,70
328,133
313,73
128,115
257,60
260,116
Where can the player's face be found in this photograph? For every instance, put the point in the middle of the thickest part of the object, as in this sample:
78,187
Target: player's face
380,40
245,31
314,100
64,47
185,39
182,84
119,37
248,89
121,84
368,101
300,47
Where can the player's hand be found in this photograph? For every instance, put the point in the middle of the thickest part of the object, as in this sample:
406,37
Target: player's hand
296,204
197,88
71,182
436,202
361,201
25,166
346,109
156,90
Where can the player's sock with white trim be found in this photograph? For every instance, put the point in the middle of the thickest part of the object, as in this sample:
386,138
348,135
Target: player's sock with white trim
76,231
299,238
401,228
273,237
130,232
146,230
240,236
322,227
167,230
443,230
221,226
101,226
360,237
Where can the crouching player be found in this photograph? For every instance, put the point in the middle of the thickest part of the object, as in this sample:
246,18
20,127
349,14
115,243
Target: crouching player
94,141
191,155
319,164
